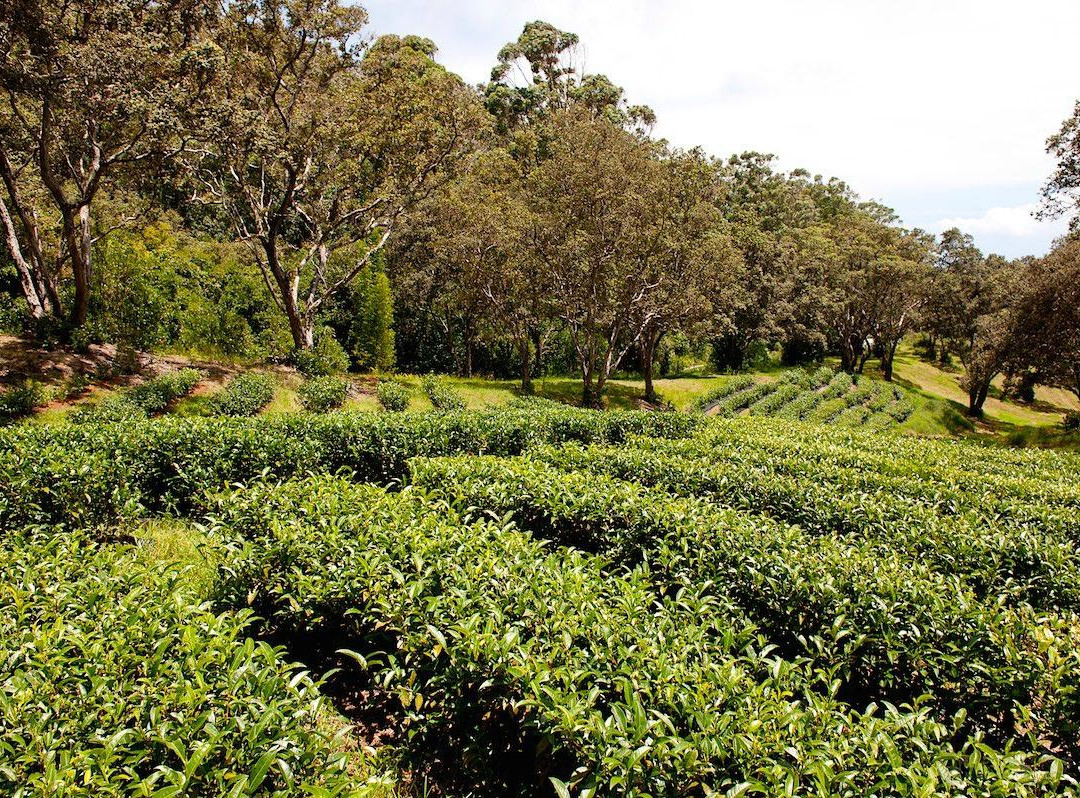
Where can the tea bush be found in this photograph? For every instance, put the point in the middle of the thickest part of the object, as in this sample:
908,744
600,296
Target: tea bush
600,668
92,475
321,394
441,395
324,359
20,401
151,396
246,395
393,396
113,681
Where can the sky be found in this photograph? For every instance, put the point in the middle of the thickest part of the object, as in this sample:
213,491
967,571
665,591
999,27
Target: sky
939,109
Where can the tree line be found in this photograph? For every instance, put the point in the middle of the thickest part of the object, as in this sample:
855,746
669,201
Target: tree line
358,192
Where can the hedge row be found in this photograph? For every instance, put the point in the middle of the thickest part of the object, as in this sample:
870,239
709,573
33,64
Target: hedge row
442,396
611,689
980,470
112,682
92,475
141,401
729,387
945,491
1011,564
885,627
246,395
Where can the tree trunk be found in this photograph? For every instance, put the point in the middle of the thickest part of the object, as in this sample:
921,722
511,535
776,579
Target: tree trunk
38,284
538,348
77,230
525,355
648,358
864,353
590,394
888,354
977,397
448,330
847,354
468,346
30,287
300,326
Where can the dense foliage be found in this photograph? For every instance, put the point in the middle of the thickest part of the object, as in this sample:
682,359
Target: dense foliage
245,395
375,210
321,394
441,395
821,396
114,680
145,399
392,396
562,601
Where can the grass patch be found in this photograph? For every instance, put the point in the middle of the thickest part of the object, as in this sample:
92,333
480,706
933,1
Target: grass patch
178,542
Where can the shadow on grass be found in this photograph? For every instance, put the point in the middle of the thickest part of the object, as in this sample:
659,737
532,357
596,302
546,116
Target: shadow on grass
617,396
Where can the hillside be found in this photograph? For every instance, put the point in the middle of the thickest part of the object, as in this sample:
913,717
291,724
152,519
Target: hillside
923,399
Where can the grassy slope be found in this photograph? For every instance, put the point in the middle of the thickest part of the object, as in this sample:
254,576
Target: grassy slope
1047,409
939,400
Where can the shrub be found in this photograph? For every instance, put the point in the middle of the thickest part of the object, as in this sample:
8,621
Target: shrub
76,386
148,691
114,408
244,396
442,396
320,394
20,401
485,616
729,387
90,475
324,359
126,360
141,401
1071,421
155,394
392,396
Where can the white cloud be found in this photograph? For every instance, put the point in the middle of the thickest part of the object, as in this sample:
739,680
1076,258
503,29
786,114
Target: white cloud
1014,222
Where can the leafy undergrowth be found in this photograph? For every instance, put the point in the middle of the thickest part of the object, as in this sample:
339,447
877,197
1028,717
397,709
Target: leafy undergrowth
536,601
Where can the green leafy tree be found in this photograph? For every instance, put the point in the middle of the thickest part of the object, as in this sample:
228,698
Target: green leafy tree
93,91
374,325
1048,318
321,143
686,258
1061,192
593,218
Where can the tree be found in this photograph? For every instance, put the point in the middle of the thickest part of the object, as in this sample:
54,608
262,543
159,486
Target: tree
457,243
593,216
1061,192
984,333
538,75
93,88
1047,313
944,311
689,261
322,143
510,279
897,292
767,214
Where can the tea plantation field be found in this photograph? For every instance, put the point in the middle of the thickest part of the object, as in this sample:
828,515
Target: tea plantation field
538,600
823,396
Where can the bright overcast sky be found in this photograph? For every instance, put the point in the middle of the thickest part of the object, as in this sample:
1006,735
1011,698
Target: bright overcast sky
938,108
